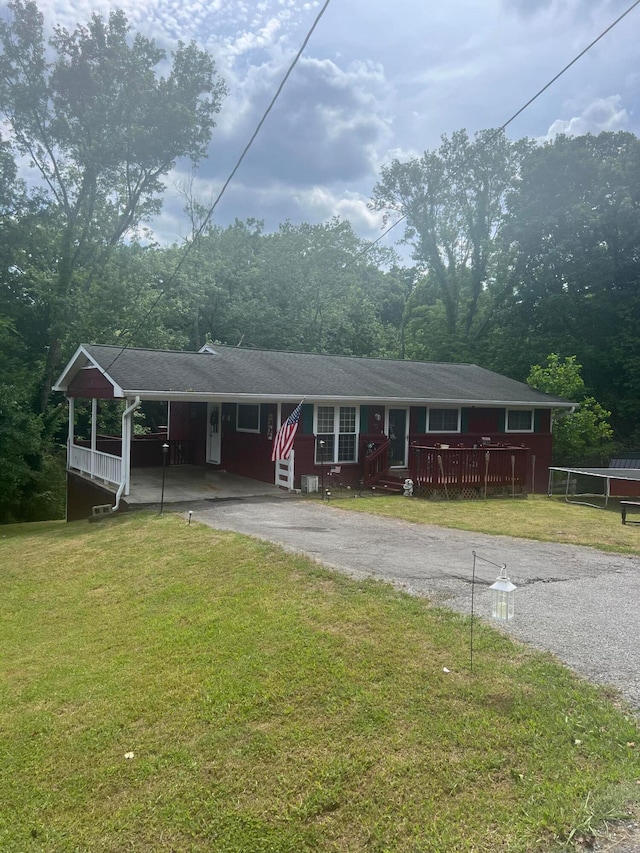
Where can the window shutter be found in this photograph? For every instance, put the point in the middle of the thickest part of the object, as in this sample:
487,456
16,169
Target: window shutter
306,421
537,420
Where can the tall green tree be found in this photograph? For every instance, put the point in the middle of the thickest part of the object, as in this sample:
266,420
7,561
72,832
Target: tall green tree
584,435
31,477
573,236
304,287
101,128
453,201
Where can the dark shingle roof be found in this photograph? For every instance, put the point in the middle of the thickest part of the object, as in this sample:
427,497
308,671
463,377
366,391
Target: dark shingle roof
234,371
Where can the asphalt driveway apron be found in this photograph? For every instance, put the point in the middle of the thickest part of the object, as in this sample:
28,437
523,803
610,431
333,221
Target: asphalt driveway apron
579,603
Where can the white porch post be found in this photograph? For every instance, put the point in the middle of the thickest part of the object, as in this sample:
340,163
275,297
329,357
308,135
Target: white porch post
72,417
126,447
94,431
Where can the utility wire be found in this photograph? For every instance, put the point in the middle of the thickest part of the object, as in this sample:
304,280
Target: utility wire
525,106
211,210
400,219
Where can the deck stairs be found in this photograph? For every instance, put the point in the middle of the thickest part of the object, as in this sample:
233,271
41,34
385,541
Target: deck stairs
392,482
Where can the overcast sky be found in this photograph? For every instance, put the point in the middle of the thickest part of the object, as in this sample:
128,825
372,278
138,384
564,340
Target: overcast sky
378,81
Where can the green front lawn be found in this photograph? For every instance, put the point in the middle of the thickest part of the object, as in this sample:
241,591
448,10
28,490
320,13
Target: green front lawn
535,517
168,687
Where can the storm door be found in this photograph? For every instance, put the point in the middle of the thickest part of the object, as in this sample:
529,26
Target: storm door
397,423
213,433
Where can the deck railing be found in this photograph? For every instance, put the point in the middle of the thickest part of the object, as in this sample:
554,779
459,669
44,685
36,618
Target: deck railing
95,463
376,461
456,469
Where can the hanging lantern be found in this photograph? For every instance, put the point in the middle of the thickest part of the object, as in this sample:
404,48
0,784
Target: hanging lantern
502,597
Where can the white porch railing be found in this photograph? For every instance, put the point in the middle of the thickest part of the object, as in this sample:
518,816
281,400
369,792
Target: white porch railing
99,465
284,472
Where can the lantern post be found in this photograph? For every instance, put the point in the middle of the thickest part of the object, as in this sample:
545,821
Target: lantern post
321,446
165,451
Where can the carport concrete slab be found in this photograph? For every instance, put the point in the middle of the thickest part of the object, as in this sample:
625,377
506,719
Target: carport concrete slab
184,483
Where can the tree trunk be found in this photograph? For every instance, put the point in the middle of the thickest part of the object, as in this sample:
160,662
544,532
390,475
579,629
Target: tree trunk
50,368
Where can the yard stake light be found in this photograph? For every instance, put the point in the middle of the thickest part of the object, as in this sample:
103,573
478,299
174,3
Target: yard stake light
502,597
165,451
190,514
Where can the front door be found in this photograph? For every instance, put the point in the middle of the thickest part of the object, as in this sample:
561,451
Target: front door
213,434
397,422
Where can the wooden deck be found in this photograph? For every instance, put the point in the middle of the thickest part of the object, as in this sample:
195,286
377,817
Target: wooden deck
469,472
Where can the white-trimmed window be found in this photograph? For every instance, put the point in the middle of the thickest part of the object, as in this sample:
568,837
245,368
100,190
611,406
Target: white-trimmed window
519,420
337,427
443,420
248,417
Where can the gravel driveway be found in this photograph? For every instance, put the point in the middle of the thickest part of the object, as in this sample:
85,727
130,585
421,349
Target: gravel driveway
579,603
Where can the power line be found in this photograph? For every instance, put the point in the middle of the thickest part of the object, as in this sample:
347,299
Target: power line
211,210
525,106
373,243
568,66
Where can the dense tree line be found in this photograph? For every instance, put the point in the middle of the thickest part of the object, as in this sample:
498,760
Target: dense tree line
519,250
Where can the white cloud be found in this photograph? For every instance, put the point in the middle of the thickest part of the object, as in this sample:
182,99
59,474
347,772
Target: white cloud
371,87
264,38
352,206
328,126
600,115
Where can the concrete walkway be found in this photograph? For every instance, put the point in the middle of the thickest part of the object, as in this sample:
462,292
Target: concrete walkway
579,603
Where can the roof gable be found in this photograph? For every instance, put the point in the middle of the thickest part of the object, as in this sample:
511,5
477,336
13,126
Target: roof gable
82,359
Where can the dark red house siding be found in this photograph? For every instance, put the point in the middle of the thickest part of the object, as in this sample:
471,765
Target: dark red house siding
249,454
197,431
180,420
372,420
344,474
88,383
624,489
483,422
188,422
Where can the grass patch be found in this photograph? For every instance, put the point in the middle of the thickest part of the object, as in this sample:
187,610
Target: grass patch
536,517
271,705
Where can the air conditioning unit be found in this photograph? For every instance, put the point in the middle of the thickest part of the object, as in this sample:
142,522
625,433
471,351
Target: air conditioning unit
309,483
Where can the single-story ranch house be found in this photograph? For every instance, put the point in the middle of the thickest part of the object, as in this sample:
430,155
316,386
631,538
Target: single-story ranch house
370,422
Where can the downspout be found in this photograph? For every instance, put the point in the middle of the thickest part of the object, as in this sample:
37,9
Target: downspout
126,460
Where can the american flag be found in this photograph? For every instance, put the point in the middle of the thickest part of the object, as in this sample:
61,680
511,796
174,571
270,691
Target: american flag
285,436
